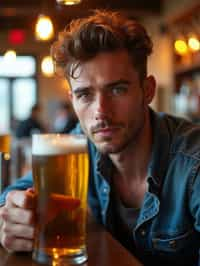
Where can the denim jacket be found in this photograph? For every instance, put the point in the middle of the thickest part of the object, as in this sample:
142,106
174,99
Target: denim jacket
168,227
167,231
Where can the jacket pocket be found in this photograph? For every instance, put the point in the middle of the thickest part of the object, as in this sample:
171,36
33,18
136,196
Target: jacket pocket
169,243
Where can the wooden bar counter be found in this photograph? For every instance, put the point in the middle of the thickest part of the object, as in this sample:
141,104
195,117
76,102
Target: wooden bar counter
103,250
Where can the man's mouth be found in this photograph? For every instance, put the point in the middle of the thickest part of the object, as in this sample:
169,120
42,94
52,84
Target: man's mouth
105,131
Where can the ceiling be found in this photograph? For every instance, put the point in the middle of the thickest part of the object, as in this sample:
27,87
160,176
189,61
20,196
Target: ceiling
23,13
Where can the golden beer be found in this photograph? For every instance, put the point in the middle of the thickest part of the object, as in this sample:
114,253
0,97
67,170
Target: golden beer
5,143
60,171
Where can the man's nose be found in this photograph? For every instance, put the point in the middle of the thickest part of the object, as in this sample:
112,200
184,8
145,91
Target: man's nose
103,107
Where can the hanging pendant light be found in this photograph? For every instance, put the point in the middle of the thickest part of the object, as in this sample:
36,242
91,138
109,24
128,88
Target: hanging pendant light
180,46
68,2
194,43
9,56
44,30
47,66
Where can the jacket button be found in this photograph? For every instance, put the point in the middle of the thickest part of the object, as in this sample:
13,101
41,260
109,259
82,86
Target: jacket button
172,243
105,190
103,212
143,232
155,241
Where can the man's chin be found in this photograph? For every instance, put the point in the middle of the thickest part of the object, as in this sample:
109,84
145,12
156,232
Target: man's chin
106,148
106,145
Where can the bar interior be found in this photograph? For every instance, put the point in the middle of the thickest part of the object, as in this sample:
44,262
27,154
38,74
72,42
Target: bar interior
33,99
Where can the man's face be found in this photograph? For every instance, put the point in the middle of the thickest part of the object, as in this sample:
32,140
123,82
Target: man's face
110,101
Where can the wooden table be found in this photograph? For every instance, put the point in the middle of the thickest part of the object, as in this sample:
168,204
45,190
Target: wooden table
103,250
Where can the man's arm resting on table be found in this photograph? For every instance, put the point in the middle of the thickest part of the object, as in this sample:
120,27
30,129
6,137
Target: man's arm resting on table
21,184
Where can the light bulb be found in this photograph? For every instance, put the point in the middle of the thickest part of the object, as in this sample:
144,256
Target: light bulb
44,28
10,56
194,43
68,2
47,66
180,47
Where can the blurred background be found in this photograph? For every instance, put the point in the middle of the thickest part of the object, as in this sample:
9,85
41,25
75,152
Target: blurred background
27,82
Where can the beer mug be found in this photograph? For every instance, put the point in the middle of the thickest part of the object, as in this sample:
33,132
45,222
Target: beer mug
60,172
5,142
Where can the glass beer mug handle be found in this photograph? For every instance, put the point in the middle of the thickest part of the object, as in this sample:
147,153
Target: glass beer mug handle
4,170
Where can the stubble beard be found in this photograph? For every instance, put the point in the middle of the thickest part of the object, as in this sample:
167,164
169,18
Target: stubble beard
129,140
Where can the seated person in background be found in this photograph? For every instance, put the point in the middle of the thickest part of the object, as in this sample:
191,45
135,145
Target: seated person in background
31,125
144,183
65,119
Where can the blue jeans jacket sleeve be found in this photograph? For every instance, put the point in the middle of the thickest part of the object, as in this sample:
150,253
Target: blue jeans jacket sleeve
194,200
194,203
22,184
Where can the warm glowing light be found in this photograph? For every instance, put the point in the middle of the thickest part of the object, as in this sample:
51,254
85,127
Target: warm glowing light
44,28
7,156
181,47
47,66
10,56
68,2
194,44
55,262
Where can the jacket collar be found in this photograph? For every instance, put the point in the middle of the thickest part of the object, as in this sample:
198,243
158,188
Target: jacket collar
162,140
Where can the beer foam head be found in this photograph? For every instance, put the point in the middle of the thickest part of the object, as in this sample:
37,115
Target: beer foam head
52,144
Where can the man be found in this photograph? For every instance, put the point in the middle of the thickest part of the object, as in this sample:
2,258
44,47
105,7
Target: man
31,125
144,176
65,119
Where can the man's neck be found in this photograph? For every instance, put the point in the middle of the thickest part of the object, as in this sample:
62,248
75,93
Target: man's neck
129,179
134,159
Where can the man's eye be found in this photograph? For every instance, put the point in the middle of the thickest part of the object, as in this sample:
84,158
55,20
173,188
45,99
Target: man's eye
83,95
119,90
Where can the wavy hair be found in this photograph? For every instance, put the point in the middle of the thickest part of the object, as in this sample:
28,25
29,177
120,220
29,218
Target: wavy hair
104,31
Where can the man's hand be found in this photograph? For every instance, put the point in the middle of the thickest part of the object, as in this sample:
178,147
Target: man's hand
17,221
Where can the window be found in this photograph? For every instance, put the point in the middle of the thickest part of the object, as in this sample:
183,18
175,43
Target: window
4,105
23,66
18,89
24,97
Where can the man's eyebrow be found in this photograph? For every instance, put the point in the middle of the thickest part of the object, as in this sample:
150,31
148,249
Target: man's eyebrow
117,82
107,85
81,89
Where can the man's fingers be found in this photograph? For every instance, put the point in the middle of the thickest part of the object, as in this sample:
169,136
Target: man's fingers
17,215
18,230
22,199
15,244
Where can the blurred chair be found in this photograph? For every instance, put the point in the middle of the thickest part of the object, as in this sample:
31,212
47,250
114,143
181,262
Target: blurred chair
20,157
4,170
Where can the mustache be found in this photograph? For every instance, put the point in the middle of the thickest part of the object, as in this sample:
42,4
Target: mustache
102,125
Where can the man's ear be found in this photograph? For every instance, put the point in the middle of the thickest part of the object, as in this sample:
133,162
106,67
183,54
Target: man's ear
149,86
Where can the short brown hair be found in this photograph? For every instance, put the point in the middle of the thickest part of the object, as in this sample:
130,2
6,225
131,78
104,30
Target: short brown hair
104,31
